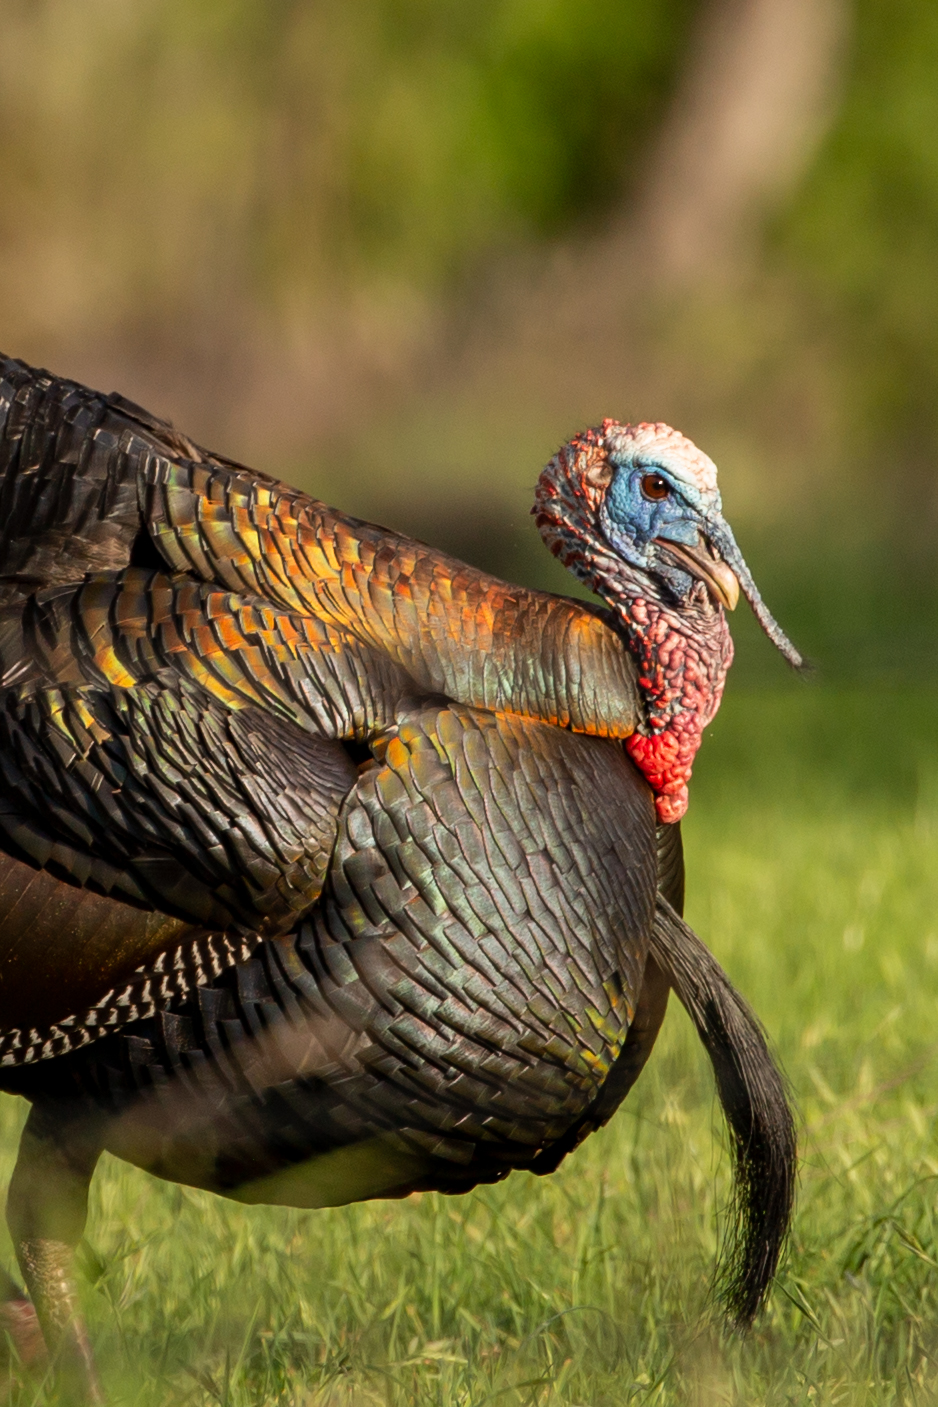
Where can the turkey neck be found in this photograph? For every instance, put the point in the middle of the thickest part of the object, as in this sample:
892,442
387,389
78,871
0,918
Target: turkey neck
682,652
683,657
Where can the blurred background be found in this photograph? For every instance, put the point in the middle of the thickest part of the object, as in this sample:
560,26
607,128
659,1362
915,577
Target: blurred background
395,251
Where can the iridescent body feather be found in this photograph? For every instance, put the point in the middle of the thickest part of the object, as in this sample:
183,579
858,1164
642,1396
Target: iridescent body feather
324,872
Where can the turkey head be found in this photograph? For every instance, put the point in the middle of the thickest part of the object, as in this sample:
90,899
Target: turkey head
635,513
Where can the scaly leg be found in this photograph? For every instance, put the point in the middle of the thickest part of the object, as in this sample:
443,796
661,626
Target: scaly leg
46,1209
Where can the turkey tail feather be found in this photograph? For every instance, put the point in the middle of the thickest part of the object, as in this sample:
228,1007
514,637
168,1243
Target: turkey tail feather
755,1104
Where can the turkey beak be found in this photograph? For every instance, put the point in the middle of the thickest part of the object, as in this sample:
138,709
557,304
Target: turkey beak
724,583
721,581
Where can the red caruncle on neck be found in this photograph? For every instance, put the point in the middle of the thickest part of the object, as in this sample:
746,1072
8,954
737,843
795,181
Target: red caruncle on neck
683,662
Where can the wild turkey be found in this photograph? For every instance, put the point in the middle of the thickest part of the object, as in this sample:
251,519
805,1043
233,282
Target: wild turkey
324,872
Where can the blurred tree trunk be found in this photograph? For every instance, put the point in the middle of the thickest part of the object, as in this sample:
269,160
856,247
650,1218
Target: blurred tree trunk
666,314
556,332
760,84
758,91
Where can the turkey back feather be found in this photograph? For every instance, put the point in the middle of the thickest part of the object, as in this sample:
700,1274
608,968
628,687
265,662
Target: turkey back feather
83,475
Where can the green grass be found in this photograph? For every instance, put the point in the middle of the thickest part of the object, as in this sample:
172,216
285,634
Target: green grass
811,871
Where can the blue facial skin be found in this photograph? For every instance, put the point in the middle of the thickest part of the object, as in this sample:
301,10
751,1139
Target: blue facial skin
631,521
642,518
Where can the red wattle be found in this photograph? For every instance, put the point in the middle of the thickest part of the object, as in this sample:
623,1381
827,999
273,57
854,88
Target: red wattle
667,768
682,677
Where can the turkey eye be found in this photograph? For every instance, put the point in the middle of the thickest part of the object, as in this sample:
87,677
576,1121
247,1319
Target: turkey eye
653,486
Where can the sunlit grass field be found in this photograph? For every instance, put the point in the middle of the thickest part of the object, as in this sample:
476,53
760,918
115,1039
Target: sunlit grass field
811,847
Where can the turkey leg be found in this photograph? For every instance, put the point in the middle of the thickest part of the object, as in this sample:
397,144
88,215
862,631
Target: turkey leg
46,1210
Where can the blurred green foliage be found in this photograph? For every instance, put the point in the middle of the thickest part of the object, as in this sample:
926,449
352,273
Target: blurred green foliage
308,144
165,156
293,148
863,230
510,117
